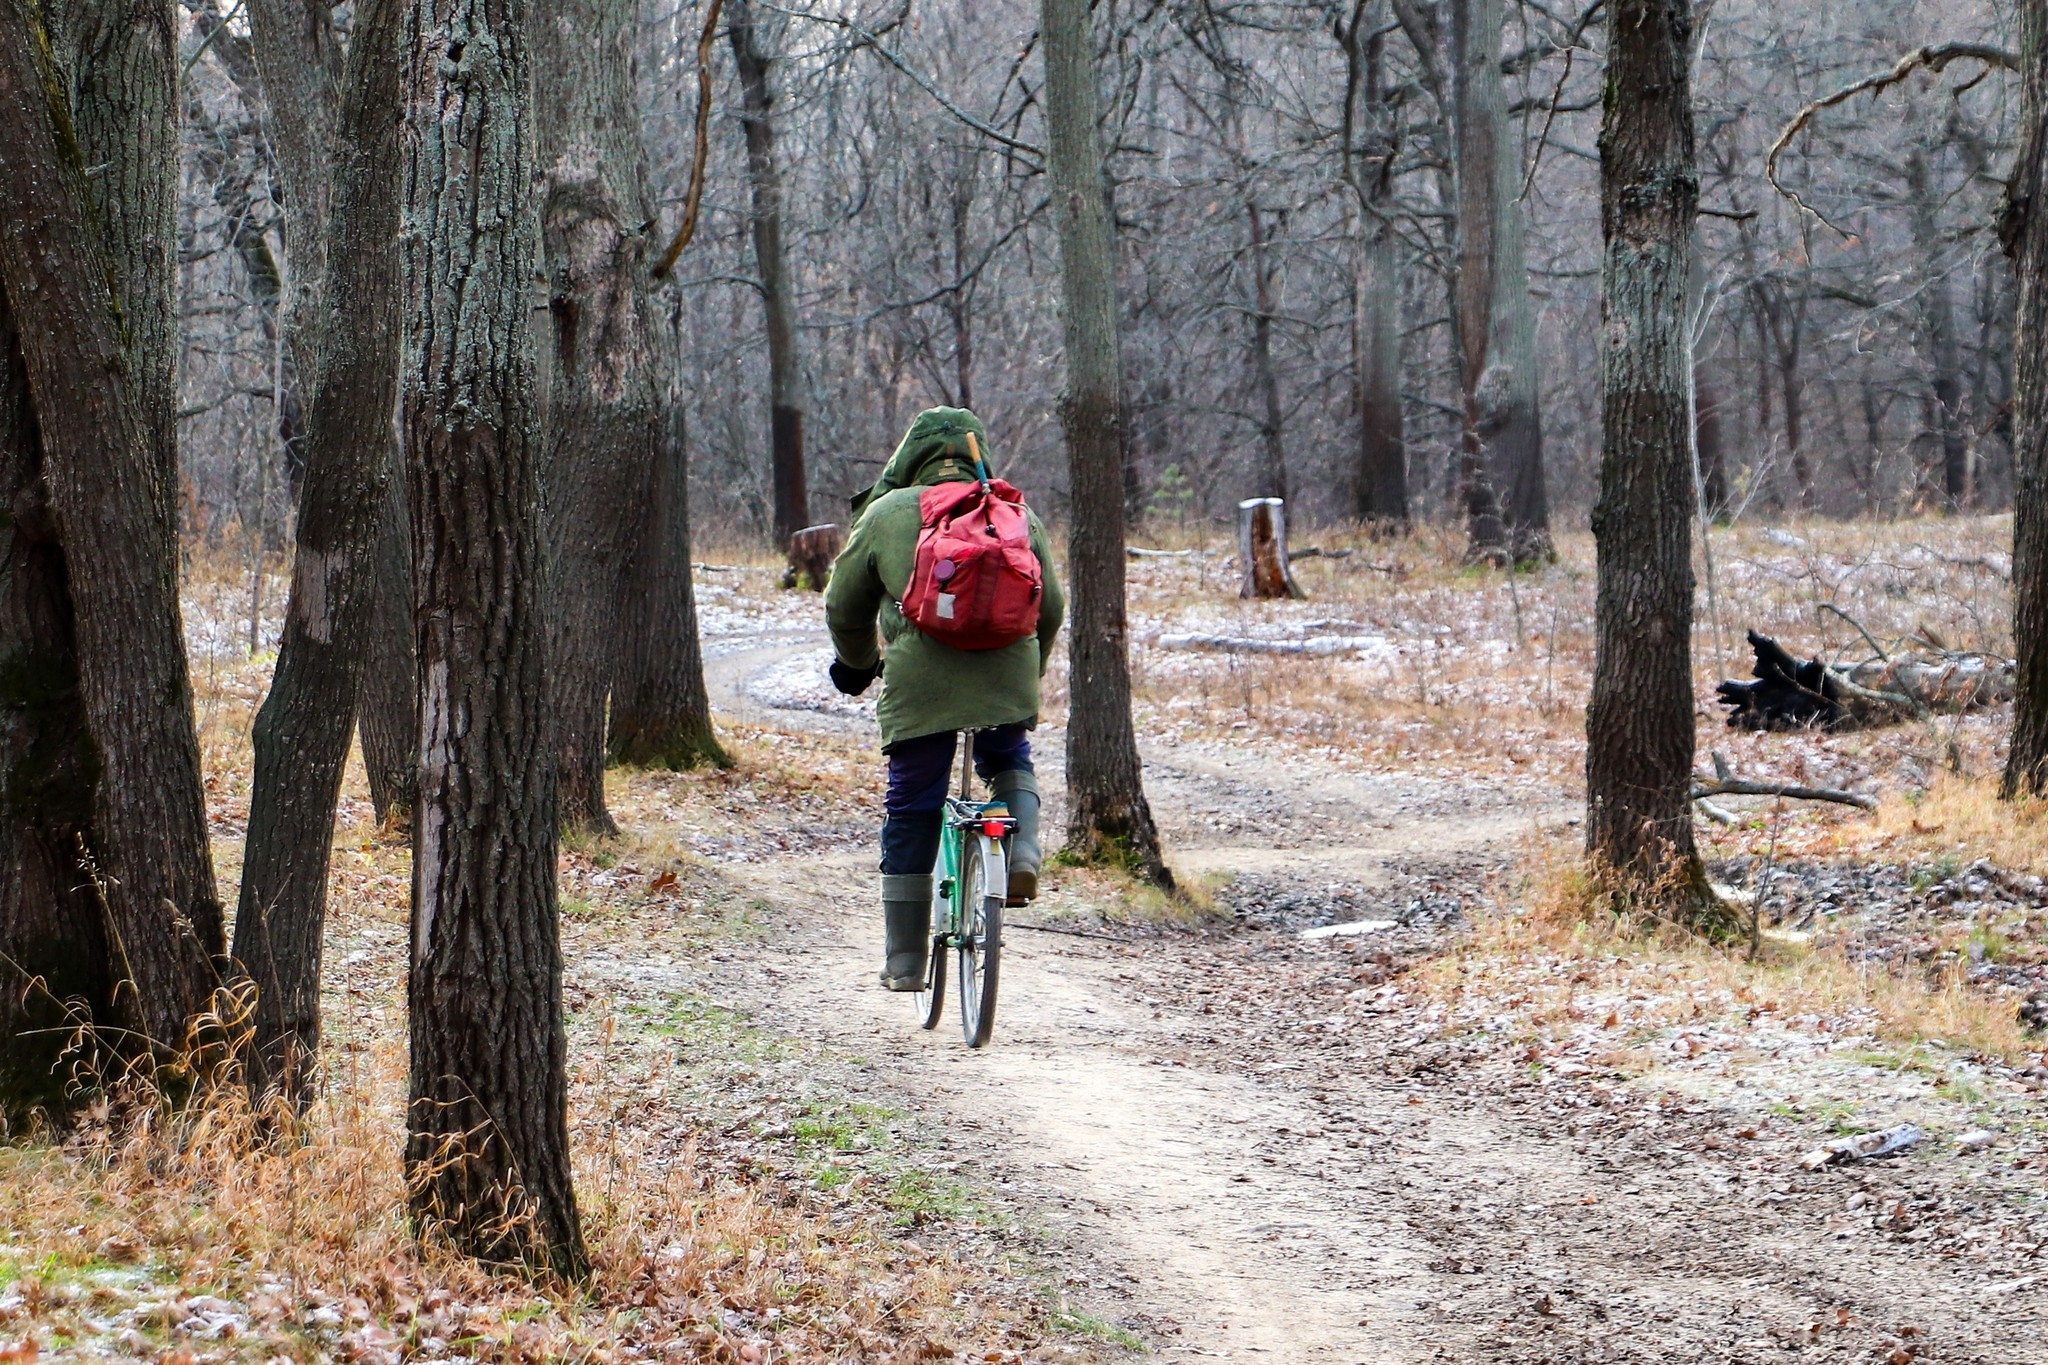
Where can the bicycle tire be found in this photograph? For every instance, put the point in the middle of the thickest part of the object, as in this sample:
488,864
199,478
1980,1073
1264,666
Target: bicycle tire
981,948
931,1001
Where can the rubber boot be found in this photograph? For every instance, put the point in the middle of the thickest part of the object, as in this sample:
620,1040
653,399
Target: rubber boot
907,916
1019,790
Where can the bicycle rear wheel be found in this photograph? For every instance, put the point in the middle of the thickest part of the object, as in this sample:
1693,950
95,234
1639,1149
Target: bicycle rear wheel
981,945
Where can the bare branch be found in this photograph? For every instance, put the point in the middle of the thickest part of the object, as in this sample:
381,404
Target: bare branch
1933,59
866,39
693,202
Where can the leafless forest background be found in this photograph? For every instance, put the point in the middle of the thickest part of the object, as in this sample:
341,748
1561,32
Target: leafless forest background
1853,360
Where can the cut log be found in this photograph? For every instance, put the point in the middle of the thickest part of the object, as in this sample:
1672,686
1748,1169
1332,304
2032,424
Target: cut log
1262,549
811,552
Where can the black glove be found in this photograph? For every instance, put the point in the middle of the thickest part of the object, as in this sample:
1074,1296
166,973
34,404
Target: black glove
853,681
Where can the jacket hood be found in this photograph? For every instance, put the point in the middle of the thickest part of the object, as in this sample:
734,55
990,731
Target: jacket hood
932,451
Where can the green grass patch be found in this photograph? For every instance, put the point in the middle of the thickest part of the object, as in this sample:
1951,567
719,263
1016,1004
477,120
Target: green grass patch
1072,1323
919,1197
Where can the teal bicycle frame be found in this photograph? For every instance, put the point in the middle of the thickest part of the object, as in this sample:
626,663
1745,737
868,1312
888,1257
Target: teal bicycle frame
970,885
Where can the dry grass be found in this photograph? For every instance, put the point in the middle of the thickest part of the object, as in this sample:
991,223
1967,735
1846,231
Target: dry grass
1961,816
190,1238
150,1234
1577,981
1468,670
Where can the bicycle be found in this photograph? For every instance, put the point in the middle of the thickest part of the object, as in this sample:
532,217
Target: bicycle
970,886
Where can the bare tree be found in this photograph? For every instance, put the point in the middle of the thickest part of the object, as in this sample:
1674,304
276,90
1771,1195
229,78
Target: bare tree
604,425
756,58
335,125
1371,145
86,268
1496,322
2023,226
1108,816
661,713
1639,721
487,1151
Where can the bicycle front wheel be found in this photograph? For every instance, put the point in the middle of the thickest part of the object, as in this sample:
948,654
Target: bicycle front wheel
931,1000
981,941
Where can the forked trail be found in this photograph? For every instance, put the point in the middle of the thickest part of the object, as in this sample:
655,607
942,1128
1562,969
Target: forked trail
1241,1169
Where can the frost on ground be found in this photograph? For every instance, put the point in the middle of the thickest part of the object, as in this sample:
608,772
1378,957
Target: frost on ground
800,682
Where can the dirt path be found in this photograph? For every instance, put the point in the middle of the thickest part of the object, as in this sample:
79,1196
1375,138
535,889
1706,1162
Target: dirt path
1242,1174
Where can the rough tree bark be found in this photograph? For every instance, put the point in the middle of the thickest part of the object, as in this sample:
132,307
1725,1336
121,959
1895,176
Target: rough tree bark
1507,507
753,55
1381,490
487,1150
2023,227
1639,721
386,719
604,419
335,124
1108,816
87,264
55,961
661,714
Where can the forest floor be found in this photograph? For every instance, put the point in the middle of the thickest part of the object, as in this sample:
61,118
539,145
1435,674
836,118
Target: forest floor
1479,1127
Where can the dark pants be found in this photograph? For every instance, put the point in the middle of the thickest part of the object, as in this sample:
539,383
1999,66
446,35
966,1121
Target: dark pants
920,770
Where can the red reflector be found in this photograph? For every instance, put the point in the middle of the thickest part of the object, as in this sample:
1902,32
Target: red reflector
992,828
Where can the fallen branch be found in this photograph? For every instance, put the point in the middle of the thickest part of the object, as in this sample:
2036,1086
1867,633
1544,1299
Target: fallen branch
1315,647
1705,787
1857,626
1137,552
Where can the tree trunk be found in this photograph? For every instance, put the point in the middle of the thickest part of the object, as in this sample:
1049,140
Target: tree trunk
2023,226
55,961
343,327
487,1152
661,714
1262,550
1944,349
87,264
1108,817
604,419
387,718
1272,447
785,371
1496,322
1381,497
1708,429
1639,721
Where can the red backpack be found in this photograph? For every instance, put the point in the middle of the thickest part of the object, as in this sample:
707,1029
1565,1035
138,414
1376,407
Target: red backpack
976,582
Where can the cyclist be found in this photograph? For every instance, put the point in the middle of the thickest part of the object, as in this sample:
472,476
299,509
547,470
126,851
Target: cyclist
931,690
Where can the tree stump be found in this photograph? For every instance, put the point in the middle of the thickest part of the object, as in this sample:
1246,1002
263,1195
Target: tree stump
811,552
1262,549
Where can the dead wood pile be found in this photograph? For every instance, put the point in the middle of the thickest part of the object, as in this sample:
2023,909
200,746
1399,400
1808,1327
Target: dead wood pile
1787,694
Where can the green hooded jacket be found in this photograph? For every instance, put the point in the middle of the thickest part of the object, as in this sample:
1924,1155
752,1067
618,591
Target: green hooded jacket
928,687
